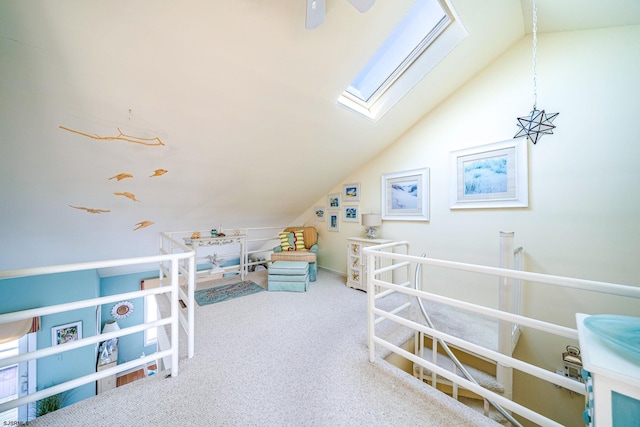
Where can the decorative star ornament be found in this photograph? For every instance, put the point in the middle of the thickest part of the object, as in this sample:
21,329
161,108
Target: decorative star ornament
536,124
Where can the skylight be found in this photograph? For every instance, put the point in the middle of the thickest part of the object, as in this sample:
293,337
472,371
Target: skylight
426,34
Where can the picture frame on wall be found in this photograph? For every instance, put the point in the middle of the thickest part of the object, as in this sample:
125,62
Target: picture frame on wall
490,176
351,213
66,333
351,192
333,201
319,213
405,195
333,218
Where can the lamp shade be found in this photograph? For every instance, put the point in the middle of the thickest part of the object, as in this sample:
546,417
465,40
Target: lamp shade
371,220
110,326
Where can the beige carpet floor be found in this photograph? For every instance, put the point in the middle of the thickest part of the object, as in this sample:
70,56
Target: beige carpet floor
276,359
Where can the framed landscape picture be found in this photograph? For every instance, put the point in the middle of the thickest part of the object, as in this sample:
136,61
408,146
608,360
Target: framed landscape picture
490,176
405,195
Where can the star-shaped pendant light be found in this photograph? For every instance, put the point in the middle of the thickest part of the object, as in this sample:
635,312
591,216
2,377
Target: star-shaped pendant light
538,122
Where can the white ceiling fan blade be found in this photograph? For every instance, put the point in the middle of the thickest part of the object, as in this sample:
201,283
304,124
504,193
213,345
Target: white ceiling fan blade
315,14
362,5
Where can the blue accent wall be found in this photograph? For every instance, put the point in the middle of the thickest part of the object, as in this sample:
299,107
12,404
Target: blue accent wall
38,291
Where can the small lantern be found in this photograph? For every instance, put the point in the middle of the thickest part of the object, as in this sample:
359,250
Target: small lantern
572,363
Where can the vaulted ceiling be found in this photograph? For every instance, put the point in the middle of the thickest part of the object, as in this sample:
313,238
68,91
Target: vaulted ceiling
235,100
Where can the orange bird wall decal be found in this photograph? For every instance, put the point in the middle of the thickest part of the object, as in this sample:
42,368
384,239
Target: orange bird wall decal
122,176
143,224
159,172
128,195
90,210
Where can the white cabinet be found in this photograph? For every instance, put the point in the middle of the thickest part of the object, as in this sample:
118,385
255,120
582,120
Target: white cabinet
612,381
357,262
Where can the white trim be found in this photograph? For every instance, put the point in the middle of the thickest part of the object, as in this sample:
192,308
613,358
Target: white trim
426,61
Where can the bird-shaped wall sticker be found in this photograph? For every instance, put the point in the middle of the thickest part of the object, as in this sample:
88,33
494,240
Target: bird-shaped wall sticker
128,195
90,210
159,172
143,224
121,176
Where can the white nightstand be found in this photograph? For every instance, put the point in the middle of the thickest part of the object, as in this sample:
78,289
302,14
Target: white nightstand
357,262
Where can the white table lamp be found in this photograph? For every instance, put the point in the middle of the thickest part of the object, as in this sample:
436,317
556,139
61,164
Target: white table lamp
370,222
110,326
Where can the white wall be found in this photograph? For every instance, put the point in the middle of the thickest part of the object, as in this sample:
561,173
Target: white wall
584,204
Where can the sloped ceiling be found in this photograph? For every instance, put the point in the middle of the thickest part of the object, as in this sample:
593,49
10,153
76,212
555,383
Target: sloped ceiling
241,97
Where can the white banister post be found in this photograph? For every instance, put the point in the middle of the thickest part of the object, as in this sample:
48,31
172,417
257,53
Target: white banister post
191,279
174,317
371,302
504,375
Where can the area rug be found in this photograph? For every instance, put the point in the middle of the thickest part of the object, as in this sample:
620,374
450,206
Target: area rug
226,292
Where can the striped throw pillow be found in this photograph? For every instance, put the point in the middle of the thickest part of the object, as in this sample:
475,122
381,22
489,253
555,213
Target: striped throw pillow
292,240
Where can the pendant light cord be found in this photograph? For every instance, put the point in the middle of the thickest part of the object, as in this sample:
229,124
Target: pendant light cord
537,123
535,51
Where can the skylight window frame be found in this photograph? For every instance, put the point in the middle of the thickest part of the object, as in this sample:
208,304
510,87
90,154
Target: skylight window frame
435,46
406,63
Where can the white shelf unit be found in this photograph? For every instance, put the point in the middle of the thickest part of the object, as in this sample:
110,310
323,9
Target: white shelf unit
357,262
203,242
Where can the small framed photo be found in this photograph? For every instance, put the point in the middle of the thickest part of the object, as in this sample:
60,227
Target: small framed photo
490,176
319,213
333,201
351,193
405,195
334,220
351,213
66,333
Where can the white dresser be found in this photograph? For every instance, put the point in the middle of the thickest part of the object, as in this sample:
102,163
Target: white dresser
357,262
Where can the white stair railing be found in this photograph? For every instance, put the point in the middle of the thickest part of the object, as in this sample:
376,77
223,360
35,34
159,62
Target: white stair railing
172,290
506,300
177,266
185,268
399,262
518,264
457,365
